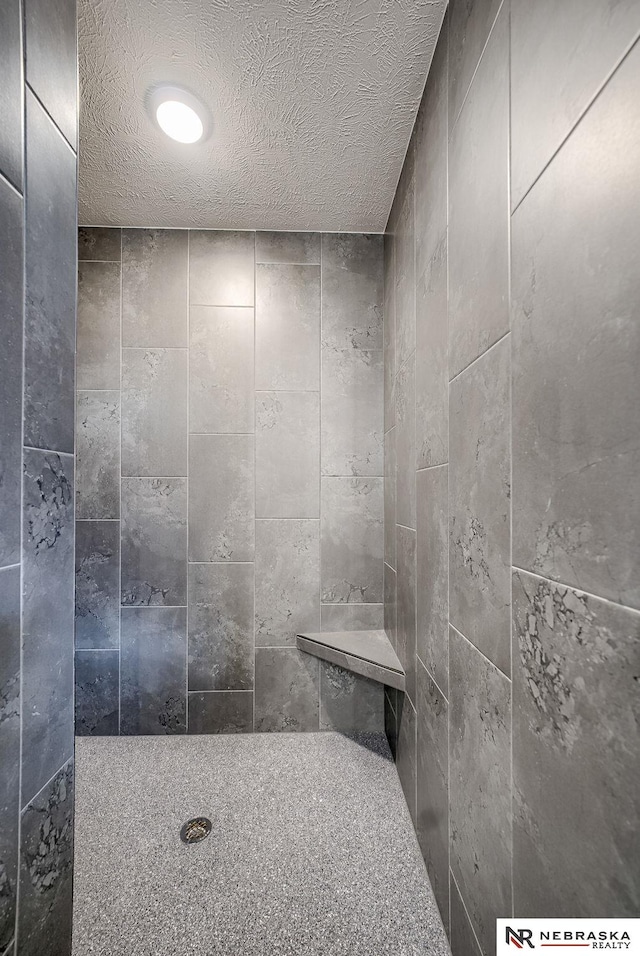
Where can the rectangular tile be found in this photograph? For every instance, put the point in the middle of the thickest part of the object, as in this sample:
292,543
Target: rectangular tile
287,454
154,412
390,605
406,612
287,580
390,724
11,98
97,584
351,540
221,267
406,444
352,291
221,712
154,288
432,573
287,326
9,747
469,28
389,330
405,267
221,626
390,497
97,677
350,703
154,541
98,336
221,498
432,362
351,617
153,676
221,369
52,60
288,247
99,243
406,752
286,691
352,411
98,454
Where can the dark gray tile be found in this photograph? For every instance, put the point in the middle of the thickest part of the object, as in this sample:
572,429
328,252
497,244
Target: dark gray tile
153,666
52,61
221,369
287,326
470,23
390,497
287,454
221,712
406,613
46,869
154,412
352,617
389,330
576,401
349,703
9,748
287,690
406,752
390,605
98,336
480,506
575,46
351,540
50,274
390,721
405,273
98,454
287,580
479,205
11,299
461,936
99,243
433,786
432,573
97,693
221,626
47,618
352,291
11,102
221,498
97,584
154,541
288,247
352,411
154,288
432,362
221,267
406,444
480,786
575,718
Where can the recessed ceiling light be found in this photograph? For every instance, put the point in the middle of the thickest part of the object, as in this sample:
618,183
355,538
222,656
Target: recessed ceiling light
179,114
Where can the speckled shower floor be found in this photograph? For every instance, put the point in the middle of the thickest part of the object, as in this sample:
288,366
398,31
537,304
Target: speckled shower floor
311,852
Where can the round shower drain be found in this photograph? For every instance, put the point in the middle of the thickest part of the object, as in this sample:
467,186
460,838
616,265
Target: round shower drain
195,830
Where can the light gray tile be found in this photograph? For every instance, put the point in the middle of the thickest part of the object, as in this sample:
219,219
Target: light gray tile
479,206
287,454
576,402
98,454
352,412
97,686
390,605
154,541
389,330
11,122
469,27
352,617
351,540
154,412
286,690
352,291
406,613
221,712
288,247
287,580
461,935
390,497
98,335
406,752
221,369
432,573
389,677
9,747
99,243
50,29
432,362
154,288
97,584
221,267
350,703
406,444
480,507
287,326
405,268
221,498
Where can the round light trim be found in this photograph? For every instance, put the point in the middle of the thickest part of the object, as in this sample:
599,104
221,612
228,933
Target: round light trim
179,114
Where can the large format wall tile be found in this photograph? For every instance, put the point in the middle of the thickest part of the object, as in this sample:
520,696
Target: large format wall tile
480,786
350,703
221,712
98,338
154,412
50,274
97,693
97,584
389,332
390,497
287,454
480,506
153,675
47,617
287,690
352,412
406,444
351,617
154,288
287,580
99,243
432,573
9,747
220,626
287,326
461,936
221,506
576,402
352,540
52,62
469,27
300,247
405,267
391,604
221,268
98,454
432,367
352,291
406,620
479,206
575,719
406,752
220,369
154,541
11,98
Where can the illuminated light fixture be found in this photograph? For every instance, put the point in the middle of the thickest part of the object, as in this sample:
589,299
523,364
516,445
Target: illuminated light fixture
179,114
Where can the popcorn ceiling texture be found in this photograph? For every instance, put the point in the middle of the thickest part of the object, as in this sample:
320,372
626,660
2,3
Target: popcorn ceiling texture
313,102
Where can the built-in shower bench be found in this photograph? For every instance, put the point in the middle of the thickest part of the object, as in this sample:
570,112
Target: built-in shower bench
368,653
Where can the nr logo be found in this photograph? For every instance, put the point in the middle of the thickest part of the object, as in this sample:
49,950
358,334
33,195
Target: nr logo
518,937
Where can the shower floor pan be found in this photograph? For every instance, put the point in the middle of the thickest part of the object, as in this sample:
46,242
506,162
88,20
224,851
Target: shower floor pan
311,849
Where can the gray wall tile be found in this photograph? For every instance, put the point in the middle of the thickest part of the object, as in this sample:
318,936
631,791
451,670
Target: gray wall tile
221,712
287,326
221,369
154,412
350,703
287,690
352,617
97,584
99,243
390,721
405,267
221,268
391,604
432,573
352,291
390,497
352,412
406,752
220,626
221,498
389,332
52,63
469,26
406,613
432,363
11,101
154,541
406,444
9,747
287,454
98,454
287,580
288,247
154,288
462,938
351,539
98,338
97,693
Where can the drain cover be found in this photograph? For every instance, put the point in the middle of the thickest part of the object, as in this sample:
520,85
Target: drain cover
195,830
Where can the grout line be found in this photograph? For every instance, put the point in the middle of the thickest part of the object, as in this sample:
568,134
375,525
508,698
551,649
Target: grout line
442,464
48,451
120,499
405,527
110,262
155,348
484,656
448,396
99,650
187,541
244,691
511,366
574,587
53,123
320,475
473,76
10,567
78,520
255,480
440,691
45,785
152,607
464,906
5,179
478,357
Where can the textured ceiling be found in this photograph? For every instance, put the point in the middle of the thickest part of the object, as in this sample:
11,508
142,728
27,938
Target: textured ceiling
312,101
